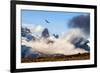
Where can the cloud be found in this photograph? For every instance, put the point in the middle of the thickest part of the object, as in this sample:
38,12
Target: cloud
37,28
74,35
60,46
28,25
82,22
33,28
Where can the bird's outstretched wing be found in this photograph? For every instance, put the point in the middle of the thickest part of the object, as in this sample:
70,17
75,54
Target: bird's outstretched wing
47,21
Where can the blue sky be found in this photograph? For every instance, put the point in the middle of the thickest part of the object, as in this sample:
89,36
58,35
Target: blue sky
58,20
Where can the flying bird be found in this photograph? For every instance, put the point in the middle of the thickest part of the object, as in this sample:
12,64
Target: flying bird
47,21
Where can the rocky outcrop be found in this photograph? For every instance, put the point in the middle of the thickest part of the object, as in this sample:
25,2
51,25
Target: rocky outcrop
45,33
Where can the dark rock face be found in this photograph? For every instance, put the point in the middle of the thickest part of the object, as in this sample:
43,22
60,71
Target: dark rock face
84,45
30,37
25,32
50,41
81,43
45,33
56,36
24,51
27,52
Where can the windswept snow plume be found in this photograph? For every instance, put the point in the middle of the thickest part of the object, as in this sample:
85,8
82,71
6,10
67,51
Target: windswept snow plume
74,35
59,46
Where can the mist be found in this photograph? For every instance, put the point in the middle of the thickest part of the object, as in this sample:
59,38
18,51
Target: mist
62,45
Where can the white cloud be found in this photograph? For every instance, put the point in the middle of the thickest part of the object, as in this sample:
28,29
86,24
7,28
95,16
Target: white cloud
74,34
37,28
60,46
33,28
28,25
